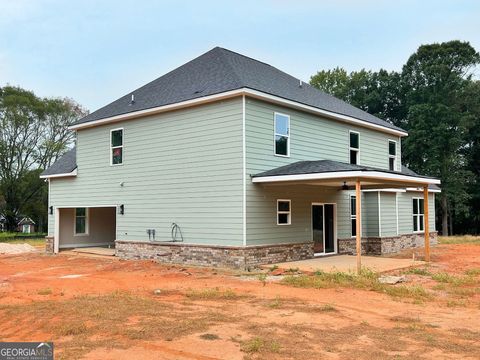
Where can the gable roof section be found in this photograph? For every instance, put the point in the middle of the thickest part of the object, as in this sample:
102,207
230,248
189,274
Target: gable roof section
221,70
65,165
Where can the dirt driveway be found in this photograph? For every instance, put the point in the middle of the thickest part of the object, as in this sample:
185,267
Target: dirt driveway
96,308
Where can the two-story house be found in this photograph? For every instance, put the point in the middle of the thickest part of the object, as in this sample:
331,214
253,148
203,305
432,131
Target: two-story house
228,161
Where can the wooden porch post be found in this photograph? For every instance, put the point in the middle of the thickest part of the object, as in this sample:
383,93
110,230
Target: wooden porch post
425,226
358,213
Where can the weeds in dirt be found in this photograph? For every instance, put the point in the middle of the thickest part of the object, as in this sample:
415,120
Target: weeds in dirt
275,303
212,294
258,344
453,279
418,271
46,291
367,280
262,278
209,336
473,272
328,308
273,268
466,239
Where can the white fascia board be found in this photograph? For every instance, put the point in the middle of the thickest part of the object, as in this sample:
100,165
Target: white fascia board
73,173
421,190
386,190
229,94
374,175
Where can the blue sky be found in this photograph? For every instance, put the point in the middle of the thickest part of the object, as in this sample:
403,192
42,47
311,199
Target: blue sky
96,51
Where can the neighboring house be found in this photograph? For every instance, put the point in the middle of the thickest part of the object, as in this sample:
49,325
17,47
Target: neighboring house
240,164
26,225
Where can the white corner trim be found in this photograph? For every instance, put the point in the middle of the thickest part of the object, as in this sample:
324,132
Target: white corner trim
379,199
375,175
229,94
396,211
244,175
73,173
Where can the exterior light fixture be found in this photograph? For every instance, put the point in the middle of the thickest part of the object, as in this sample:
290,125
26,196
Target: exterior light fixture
50,210
345,186
121,209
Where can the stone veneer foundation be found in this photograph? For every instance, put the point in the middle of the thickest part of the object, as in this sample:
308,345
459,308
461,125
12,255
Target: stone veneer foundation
211,255
385,245
252,256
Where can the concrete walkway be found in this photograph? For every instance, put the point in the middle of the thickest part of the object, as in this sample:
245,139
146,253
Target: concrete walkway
346,263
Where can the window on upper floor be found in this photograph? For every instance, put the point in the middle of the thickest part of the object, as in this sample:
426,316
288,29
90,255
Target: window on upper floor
354,147
418,214
116,147
353,215
392,155
282,134
283,212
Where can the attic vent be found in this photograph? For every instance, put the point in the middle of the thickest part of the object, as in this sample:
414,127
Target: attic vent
198,91
132,100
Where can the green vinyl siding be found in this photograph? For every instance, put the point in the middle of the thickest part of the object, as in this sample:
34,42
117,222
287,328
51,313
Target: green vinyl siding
388,214
311,138
183,166
370,214
405,211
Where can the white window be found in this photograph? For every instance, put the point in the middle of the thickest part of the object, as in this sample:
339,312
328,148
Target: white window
116,147
284,215
353,215
26,229
418,214
392,155
81,221
282,134
354,147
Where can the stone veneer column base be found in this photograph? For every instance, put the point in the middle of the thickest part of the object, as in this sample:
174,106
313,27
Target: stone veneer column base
211,255
385,245
49,248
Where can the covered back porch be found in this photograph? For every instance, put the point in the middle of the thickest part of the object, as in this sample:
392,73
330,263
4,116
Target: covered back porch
346,183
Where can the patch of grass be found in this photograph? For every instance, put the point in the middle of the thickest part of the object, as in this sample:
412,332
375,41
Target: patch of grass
328,308
46,291
208,336
275,303
456,303
262,278
464,239
418,271
69,329
473,272
212,294
453,279
273,268
293,270
258,344
367,280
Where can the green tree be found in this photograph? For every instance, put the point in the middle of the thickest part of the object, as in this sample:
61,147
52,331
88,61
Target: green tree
434,78
33,134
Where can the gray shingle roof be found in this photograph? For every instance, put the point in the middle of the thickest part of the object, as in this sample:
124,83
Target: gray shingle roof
220,70
325,166
64,165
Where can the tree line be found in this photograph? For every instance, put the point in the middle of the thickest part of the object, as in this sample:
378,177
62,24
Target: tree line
436,98
33,135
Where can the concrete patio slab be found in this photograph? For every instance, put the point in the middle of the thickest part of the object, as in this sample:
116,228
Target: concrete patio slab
346,263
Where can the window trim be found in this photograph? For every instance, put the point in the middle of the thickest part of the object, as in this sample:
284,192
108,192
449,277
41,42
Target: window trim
275,113
87,220
289,213
418,216
116,147
394,157
352,217
355,149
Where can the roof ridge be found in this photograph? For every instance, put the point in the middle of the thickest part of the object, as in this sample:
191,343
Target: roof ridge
227,61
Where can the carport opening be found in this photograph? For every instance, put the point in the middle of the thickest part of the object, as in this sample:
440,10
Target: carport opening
81,228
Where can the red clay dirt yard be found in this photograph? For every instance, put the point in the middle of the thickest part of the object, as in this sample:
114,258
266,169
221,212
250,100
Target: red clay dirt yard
104,308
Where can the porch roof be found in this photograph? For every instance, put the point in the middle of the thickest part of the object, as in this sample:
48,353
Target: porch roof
329,172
